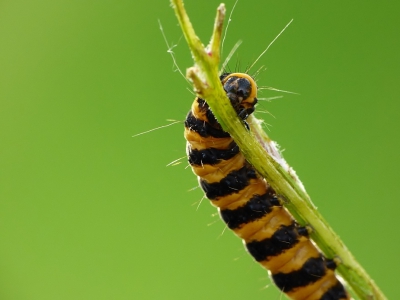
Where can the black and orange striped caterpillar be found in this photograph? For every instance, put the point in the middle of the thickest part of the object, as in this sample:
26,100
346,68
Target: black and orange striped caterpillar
249,206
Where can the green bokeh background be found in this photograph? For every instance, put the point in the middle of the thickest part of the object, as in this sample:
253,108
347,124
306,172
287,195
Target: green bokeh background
88,212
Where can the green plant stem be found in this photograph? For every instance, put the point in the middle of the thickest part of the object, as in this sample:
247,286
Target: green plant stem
205,78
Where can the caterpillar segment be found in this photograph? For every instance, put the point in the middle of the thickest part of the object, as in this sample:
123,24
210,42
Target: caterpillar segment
249,206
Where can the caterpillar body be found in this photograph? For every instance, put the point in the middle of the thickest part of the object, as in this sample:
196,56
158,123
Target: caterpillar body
249,206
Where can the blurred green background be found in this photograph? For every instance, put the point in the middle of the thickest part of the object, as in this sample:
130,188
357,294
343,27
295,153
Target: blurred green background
88,212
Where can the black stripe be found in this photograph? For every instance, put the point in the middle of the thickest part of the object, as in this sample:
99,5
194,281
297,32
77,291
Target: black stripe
211,119
256,208
234,182
203,128
284,238
302,231
203,107
212,156
330,264
312,270
336,292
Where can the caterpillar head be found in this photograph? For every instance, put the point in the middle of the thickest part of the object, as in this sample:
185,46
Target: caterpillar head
241,90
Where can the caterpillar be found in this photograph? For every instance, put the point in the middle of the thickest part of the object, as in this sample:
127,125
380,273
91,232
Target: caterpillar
248,204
